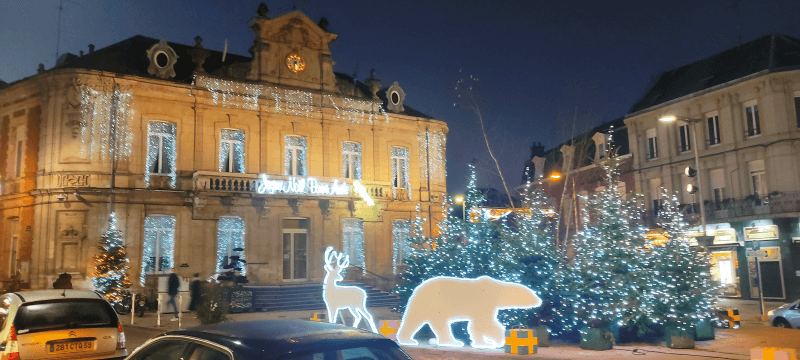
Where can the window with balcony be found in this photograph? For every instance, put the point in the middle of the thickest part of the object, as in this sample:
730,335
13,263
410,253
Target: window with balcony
401,236
400,167
652,144
712,121
351,160
161,150
758,177
295,158
717,185
655,194
158,245
231,151
752,121
230,242
684,142
353,241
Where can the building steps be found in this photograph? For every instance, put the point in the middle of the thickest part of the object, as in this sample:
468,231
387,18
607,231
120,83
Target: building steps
308,296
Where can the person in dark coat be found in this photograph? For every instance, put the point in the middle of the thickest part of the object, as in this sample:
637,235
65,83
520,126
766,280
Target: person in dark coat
173,283
64,281
194,289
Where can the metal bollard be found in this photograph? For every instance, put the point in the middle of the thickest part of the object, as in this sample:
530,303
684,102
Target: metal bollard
180,310
133,308
158,319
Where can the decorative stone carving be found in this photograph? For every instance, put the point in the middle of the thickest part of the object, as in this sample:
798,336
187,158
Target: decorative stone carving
325,207
199,203
262,206
73,180
199,55
395,96
374,84
162,60
295,205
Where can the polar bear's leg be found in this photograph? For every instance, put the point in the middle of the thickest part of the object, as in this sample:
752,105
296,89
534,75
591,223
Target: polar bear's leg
487,333
408,327
444,334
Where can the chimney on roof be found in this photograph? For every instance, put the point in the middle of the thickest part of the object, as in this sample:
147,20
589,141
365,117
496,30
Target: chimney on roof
537,149
91,48
323,23
40,69
81,52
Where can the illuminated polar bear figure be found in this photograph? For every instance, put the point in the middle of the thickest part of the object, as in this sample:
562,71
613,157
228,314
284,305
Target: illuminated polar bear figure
443,300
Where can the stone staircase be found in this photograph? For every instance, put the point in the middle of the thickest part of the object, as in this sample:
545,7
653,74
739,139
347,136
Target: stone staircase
294,297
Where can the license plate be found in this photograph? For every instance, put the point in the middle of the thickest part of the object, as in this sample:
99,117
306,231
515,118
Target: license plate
69,347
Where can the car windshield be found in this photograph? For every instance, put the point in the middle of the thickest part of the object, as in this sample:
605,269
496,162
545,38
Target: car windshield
64,314
356,353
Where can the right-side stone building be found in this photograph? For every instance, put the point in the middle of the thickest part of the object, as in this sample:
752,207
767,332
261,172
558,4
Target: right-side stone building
743,107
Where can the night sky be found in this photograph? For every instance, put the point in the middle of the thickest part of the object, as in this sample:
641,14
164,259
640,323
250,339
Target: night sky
544,68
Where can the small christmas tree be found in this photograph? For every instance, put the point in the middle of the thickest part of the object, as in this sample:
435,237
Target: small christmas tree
609,262
681,291
212,308
110,276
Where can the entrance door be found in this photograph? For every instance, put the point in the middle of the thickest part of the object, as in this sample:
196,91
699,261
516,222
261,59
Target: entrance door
771,279
294,254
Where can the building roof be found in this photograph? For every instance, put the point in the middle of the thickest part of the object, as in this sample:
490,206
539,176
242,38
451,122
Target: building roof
129,57
769,53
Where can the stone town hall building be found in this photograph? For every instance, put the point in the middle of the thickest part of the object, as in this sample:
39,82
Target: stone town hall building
255,156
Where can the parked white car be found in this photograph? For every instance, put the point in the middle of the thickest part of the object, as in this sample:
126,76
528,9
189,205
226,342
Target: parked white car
786,316
63,324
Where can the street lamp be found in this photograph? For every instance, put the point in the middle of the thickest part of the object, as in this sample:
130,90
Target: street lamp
459,199
672,118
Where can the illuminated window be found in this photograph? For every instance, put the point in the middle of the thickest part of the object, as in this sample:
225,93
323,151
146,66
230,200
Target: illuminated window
753,123
353,241
230,236
295,158
401,236
351,160
158,245
231,151
160,148
400,167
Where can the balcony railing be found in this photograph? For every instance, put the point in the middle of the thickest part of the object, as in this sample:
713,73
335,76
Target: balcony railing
773,204
247,183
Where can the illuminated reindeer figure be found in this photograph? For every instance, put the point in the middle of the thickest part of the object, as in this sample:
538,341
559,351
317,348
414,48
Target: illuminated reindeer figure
339,297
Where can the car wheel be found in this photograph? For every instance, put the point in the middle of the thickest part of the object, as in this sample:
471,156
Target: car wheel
781,323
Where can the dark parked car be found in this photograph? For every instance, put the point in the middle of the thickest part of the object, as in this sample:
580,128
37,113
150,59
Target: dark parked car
270,339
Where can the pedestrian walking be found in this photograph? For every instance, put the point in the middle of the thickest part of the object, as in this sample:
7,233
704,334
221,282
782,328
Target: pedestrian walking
194,290
173,283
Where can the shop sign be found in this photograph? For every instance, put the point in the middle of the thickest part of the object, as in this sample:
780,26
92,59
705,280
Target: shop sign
724,236
768,232
301,186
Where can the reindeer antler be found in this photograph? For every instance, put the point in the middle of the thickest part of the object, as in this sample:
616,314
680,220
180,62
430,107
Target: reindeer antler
329,256
342,264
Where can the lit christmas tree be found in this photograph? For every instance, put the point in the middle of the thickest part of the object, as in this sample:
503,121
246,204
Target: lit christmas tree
609,261
110,276
518,249
681,291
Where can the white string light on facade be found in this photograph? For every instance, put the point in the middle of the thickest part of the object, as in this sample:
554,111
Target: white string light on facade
106,117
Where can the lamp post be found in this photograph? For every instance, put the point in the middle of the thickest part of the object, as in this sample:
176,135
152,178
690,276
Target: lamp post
459,199
672,118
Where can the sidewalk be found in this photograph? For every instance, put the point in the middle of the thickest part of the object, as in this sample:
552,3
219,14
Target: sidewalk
729,343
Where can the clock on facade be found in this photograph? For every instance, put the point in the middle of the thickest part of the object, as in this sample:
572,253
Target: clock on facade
295,63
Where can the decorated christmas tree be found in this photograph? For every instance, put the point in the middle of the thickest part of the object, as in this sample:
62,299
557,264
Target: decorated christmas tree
609,263
529,234
110,276
681,291
516,248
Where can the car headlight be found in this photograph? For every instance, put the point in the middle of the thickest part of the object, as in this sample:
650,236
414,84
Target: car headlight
770,313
